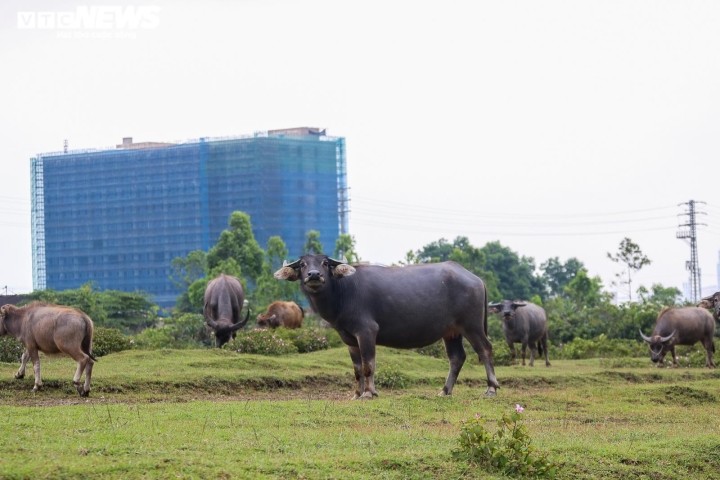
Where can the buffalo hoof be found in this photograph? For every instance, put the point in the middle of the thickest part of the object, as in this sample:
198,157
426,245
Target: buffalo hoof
84,393
19,376
443,393
366,396
491,392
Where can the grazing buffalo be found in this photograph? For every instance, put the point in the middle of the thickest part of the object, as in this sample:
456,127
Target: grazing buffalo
401,307
51,329
223,303
681,326
524,323
712,303
282,314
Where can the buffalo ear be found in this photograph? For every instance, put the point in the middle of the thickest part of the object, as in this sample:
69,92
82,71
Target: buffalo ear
287,273
343,270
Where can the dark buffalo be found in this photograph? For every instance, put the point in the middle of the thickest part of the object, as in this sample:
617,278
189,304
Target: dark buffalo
401,307
51,329
524,323
681,326
282,314
712,303
223,304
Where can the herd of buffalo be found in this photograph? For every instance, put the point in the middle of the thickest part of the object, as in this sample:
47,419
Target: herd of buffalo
368,305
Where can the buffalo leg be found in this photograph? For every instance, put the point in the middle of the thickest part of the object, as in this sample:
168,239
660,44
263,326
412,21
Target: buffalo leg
357,367
543,344
523,350
84,364
533,353
35,358
456,355
23,364
709,347
483,348
366,344
513,352
674,357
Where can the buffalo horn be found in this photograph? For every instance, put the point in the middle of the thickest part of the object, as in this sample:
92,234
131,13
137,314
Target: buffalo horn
647,339
665,339
494,305
335,263
291,265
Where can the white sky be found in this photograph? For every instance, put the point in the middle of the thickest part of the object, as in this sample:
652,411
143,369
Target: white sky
555,127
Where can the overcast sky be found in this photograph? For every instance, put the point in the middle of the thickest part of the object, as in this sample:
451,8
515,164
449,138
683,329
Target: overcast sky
555,127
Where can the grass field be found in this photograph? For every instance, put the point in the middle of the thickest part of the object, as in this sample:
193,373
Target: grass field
218,414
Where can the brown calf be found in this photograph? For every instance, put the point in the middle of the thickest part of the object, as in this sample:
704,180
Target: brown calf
51,329
282,314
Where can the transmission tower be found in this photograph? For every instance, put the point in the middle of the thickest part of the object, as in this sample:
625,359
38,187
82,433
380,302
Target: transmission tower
688,231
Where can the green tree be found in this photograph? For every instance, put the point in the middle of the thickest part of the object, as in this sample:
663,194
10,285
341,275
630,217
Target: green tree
631,256
556,275
238,242
185,270
516,275
312,243
345,248
660,296
268,288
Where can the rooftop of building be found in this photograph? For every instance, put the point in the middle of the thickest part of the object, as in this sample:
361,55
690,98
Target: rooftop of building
306,133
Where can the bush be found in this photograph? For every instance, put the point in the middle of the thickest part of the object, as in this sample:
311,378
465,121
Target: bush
10,349
435,350
263,342
109,340
600,346
391,377
507,451
305,339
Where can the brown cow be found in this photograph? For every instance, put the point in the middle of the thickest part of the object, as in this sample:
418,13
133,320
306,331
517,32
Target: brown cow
282,314
51,329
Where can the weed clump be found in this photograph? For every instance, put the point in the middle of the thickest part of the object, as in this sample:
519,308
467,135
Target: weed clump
507,451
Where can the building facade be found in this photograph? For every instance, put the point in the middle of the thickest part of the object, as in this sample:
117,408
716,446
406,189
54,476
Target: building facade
118,217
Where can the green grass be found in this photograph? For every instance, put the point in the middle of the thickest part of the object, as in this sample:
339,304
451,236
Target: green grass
217,414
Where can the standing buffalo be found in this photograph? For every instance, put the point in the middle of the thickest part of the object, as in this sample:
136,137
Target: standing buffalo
524,323
681,326
223,302
282,314
51,329
712,303
401,307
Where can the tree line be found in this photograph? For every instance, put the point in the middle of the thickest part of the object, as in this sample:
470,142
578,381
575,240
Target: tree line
576,302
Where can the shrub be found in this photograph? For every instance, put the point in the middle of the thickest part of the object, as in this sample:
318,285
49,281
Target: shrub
601,346
263,342
391,377
508,451
109,340
436,350
10,349
305,339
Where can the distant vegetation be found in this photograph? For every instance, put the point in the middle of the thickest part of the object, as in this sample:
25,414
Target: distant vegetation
579,308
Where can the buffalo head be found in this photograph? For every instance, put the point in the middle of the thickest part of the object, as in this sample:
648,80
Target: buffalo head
506,308
659,345
314,271
712,303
